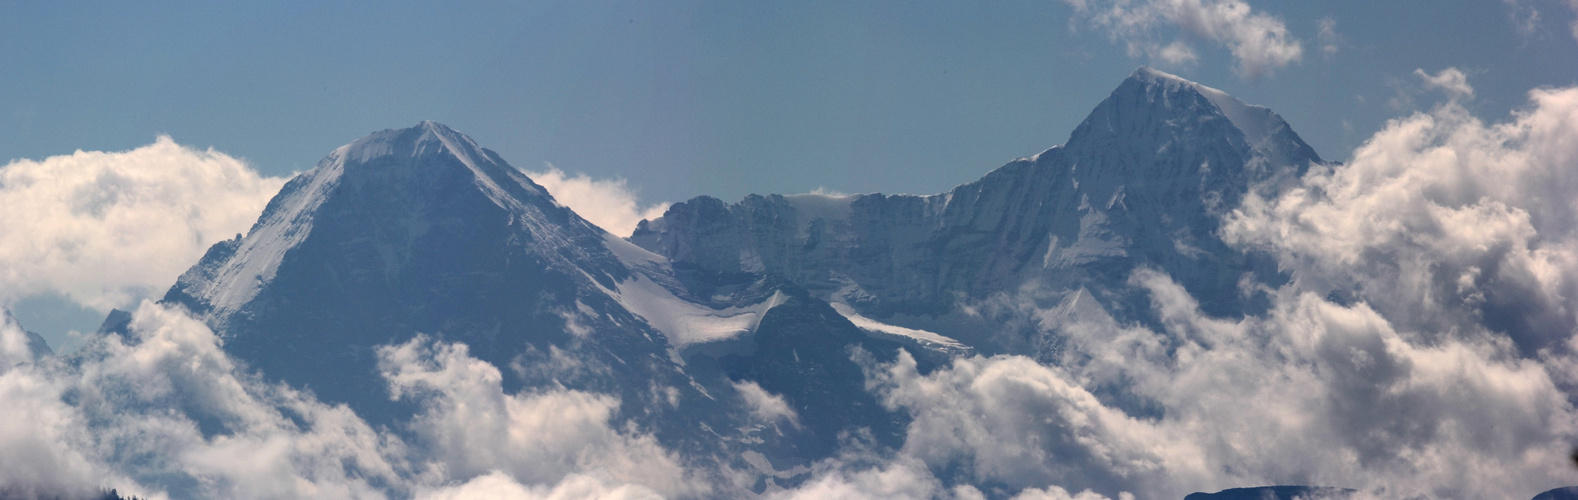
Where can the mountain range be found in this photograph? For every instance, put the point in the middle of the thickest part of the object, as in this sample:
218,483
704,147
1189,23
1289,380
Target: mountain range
691,319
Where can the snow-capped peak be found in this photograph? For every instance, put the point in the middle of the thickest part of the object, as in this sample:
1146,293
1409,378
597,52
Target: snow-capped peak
400,163
1152,75
1257,123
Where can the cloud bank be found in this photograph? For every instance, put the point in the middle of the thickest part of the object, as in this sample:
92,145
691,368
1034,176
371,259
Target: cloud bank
1313,393
610,203
1259,43
166,413
104,228
1443,223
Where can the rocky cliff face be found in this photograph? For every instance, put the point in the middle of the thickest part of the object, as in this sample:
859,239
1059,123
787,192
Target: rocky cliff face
419,231
414,231
1143,181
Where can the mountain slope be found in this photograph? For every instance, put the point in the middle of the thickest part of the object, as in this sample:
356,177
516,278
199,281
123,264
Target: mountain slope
420,231
1142,181
412,231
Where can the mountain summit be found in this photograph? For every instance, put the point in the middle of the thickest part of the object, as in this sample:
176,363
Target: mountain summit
409,231
1143,180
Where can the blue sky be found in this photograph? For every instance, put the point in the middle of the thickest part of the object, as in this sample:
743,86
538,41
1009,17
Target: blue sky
722,98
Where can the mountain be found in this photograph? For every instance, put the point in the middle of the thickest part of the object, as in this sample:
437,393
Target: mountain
706,311
411,231
421,231
1143,181
36,346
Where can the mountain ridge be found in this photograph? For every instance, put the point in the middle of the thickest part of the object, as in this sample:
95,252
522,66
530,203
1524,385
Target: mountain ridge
420,231
1142,181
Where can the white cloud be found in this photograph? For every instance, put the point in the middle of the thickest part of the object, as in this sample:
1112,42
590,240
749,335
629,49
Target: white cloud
1450,80
107,228
1312,393
473,427
126,413
37,458
766,406
1056,493
1443,223
166,413
1258,42
500,486
609,203
851,477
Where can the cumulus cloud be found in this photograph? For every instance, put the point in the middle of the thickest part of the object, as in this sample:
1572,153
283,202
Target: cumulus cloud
858,473
104,228
1259,43
610,203
1442,222
500,486
473,427
1312,393
166,413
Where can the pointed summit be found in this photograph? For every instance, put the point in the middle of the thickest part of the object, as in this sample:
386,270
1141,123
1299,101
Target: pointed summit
1153,75
396,182
1154,97
406,231
426,139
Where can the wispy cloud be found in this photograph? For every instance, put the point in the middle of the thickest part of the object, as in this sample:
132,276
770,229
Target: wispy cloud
1573,4
1326,34
1528,19
1259,43
1452,81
